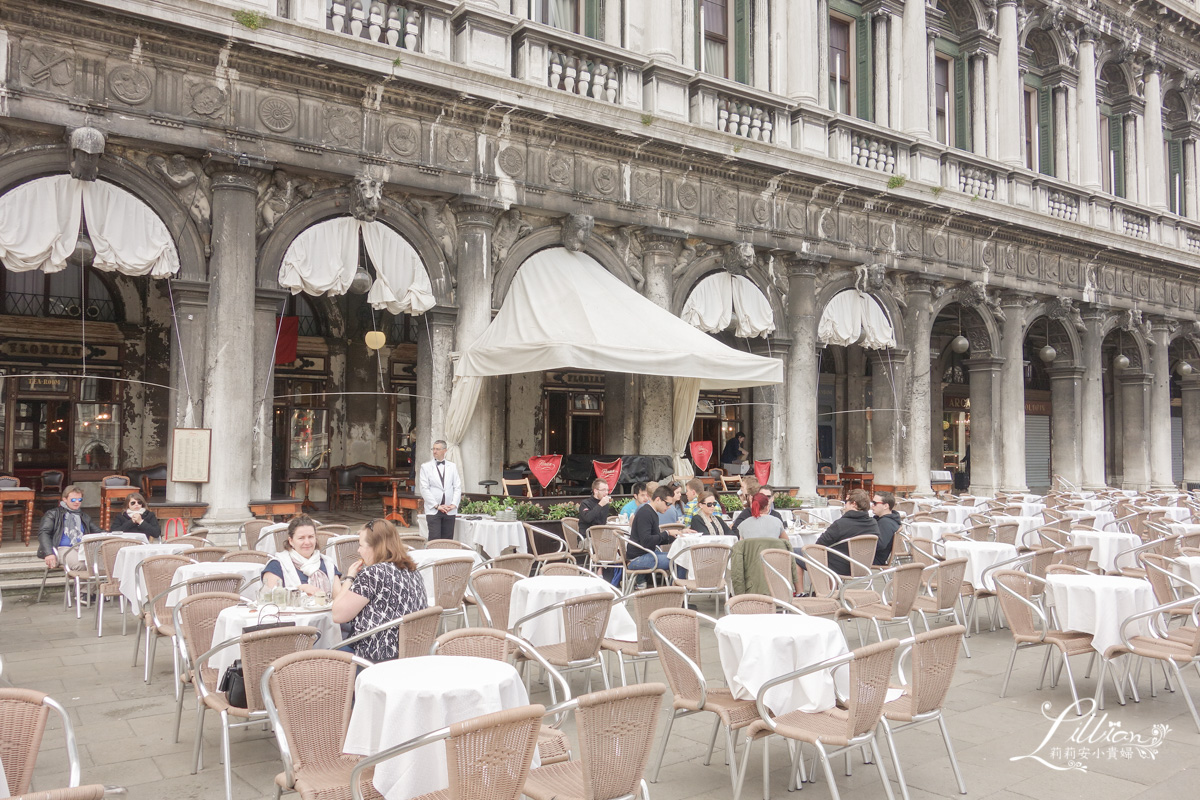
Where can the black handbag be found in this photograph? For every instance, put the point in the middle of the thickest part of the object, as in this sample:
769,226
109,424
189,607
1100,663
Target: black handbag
233,684
266,626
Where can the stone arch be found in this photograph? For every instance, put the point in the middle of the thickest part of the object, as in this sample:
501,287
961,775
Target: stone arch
964,16
22,166
1185,336
710,264
1176,110
1046,47
1062,332
979,326
1133,344
336,203
1117,78
547,237
890,306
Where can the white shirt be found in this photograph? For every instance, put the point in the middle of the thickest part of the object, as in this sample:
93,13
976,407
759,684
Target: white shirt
433,486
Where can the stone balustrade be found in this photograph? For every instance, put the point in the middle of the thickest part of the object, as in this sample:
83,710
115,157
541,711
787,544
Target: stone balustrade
394,24
1134,223
577,65
1062,205
862,144
729,107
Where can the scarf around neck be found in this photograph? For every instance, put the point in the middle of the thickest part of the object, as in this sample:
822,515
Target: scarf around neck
309,565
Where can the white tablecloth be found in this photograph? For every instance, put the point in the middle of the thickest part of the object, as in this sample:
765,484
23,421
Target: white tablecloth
686,540
1173,513
1031,508
1103,520
140,538
395,701
1183,528
1098,605
1025,525
802,536
957,514
933,530
125,566
1096,504
754,648
980,556
541,591
205,568
231,621
1105,547
1188,568
422,557
828,514
491,535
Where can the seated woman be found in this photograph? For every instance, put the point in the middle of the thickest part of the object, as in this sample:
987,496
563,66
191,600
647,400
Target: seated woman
136,518
301,565
709,521
381,587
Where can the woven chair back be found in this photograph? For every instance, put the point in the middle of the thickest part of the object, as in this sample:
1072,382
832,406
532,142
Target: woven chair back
313,692
862,550
616,733
680,627
446,544
417,632
750,604
206,554
940,514
869,674
1020,617
644,603
107,558
488,757
1006,532
91,555
214,583
924,552
1158,572
515,562
584,620
781,562
197,619
158,573
1088,521
709,564
1076,555
604,544
247,557
475,643
252,530
334,530
492,589
822,580
23,716
343,550
1041,559
565,568
413,541
1051,536
260,648
450,580
193,539
570,529
906,585
980,533
949,582
934,658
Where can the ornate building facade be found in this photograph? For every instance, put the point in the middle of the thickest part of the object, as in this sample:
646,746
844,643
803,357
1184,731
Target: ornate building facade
1013,183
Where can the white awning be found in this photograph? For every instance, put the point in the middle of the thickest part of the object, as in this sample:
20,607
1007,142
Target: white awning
722,299
853,317
564,310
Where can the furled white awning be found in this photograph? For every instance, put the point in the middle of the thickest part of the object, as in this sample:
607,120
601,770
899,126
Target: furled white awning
39,228
722,299
853,317
324,258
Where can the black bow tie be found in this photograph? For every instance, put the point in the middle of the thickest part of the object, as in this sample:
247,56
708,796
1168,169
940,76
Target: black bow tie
441,463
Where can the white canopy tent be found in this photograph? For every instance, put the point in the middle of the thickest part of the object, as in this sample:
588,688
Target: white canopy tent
722,300
564,310
853,317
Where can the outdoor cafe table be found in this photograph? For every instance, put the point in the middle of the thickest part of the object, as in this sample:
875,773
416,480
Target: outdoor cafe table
423,557
395,701
1103,518
125,566
933,530
1025,525
1188,568
490,535
956,514
1105,547
205,568
532,594
1172,513
1098,604
1183,528
686,540
231,621
754,648
980,556
828,515
802,536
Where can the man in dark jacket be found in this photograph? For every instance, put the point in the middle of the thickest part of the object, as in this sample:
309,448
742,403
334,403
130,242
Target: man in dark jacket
61,530
883,505
856,520
596,509
645,532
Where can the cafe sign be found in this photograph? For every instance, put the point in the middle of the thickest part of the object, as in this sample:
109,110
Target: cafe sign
44,383
68,351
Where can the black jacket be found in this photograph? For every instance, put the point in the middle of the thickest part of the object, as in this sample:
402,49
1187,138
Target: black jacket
51,529
888,525
722,526
123,524
645,531
592,513
850,524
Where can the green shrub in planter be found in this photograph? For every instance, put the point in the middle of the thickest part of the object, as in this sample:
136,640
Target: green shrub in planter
529,512
731,503
562,511
785,500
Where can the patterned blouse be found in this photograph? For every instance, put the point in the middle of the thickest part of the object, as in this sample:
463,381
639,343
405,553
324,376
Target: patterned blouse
391,593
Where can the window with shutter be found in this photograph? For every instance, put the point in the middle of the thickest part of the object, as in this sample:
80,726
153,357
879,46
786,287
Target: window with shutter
712,37
1175,179
962,116
1045,132
741,40
1116,155
593,19
864,84
941,101
840,64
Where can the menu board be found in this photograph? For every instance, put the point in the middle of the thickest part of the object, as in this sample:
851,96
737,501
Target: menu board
190,453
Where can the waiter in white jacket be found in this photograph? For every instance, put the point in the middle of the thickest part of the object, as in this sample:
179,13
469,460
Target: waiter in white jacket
441,488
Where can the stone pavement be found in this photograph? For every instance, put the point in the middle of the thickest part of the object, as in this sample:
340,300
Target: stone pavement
124,728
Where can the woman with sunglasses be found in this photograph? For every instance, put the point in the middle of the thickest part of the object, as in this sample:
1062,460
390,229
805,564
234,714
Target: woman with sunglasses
709,520
137,518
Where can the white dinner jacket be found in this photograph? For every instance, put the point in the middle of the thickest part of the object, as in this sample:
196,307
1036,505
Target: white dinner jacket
431,487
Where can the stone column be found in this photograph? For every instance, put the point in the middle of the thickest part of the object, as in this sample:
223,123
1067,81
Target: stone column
663,30
918,326
879,23
993,101
1089,119
1012,395
435,374
1091,401
1062,158
1190,408
887,388
1135,390
658,260
1131,150
1160,404
1066,384
978,105
769,408
267,305
803,54
937,452
1156,170
476,222
856,406
985,379
228,407
823,98
915,107
759,43
800,375
1190,195
188,359
895,65
1010,86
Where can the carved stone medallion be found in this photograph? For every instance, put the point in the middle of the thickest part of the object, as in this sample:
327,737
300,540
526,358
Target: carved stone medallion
689,196
605,179
559,169
761,211
44,63
645,187
207,100
458,146
795,215
402,138
725,203
343,124
130,84
512,161
277,114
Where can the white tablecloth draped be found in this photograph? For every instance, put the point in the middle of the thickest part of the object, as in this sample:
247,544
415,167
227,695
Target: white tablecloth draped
1103,519
231,621
1183,528
541,591
1173,513
1098,605
422,557
125,566
266,542
933,530
395,701
754,648
1025,525
1188,568
686,540
957,514
828,514
980,556
803,536
1105,547
205,568
1030,508
491,536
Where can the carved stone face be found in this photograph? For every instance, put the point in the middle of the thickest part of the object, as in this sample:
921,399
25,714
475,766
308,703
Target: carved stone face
577,229
739,257
367,192
87,145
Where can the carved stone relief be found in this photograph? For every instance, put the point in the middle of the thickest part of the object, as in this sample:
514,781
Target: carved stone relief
1064,310
738,258
438,219
604,179
509,228
796,217
130,84
191,185
277,114
366,192
576,230
206,100
760,210
459,146
646,188
87,145
279,192
512,160
48,66
403,138
627,243
343,126
558,169
856,229
688,195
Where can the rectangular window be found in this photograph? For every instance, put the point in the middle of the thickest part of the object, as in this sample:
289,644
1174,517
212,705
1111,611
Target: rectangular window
841,63
1113,150
562,14
1030,128
942,88
1175,180
714,23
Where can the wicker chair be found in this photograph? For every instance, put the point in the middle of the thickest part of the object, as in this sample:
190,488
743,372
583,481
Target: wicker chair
334,530
561,552
447,544
605,548
903,588
642,604
709,574
343,550
678,633
206,554
92,573
247,557
492,590
584,621
195,617
1027,619
250,533
276,532
846,595
155,576
23,717
1006,532
1077,555
576,546
487,756
415,632
414,541
616,731
862,553
1167,584
310,727
191,539
780,567
946,600
258,649
450,584
843,729
759,604
108,585
513,562
566,568
630,577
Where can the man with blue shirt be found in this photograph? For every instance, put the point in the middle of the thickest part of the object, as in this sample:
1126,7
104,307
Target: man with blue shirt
62,529
641,496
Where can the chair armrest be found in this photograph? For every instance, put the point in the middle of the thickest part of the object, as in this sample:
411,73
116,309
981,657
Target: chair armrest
1192,602
204,658
513,627
563,547
358,637
391,752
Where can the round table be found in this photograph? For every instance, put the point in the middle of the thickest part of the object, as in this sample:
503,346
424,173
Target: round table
125,566
535,593
266,540
802,536
1098,604
423,557
980,556
686,540
1105,547
957,514
933,530
754,648
395,701
231,621
1172,513
205,568
1103,519
1183,528
491,536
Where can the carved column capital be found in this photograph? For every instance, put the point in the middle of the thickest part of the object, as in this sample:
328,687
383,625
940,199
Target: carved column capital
800,265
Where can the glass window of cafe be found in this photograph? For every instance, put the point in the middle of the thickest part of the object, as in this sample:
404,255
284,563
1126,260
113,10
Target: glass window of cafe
59,422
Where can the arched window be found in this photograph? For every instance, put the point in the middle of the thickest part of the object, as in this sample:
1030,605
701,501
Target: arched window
1114,106
60,294
1038,105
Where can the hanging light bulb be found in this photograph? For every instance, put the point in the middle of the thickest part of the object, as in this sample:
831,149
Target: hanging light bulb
375,339
1047,354
1184,369
959,344
361,283
1121,361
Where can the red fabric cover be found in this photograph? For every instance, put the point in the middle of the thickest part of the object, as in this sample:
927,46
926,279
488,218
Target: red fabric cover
287,332
762,471
545,468
608,472
701,454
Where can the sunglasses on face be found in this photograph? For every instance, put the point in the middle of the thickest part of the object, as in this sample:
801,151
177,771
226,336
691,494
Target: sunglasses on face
74,499
710,505
134,504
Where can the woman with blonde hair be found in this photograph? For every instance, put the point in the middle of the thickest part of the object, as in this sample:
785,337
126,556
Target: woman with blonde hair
382,586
